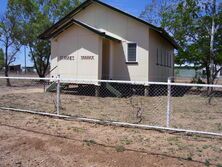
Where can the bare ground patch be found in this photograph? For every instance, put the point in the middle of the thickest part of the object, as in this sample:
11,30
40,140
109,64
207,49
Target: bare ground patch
190,111
31,140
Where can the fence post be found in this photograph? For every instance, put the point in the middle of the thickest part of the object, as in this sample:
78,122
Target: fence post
168,102
58,96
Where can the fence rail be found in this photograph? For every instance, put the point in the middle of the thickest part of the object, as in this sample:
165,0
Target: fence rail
182,107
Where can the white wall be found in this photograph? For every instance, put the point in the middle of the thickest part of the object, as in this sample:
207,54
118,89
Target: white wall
129,30
77,42
159,72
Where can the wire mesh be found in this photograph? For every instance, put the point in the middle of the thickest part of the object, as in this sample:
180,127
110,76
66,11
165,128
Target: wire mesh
197,108
191,106
27,94
116,102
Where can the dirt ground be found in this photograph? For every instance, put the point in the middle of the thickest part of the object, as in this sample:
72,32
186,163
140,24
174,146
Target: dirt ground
190,111
31,140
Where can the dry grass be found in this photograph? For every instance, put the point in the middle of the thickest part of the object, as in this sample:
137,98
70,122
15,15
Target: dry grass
32,140
190,111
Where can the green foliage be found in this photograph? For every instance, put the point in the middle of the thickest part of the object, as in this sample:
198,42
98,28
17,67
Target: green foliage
1,59
35,16
190,22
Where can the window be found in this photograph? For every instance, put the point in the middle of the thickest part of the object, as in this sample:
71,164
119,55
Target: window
169,59
132,52
157,57
163,58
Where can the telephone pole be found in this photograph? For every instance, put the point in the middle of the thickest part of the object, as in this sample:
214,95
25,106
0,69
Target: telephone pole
25,57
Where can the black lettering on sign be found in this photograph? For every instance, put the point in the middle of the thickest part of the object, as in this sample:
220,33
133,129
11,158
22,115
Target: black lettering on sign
67,58
87,57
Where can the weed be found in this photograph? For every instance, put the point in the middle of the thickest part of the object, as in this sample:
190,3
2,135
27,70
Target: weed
207,163
135,131
120,148
189,158
216,149
219,126
199,149
173,139
206,146
89,142
219,165
126,141
76,129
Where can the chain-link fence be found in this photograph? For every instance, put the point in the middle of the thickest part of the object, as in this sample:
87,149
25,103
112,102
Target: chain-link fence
27,94
173,105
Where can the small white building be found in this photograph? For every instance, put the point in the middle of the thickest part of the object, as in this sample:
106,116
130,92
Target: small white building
97,41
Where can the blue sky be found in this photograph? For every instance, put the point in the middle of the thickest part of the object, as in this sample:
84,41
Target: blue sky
131,6
3,4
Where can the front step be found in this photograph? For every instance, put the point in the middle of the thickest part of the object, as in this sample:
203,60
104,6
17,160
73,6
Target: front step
113,90
52,87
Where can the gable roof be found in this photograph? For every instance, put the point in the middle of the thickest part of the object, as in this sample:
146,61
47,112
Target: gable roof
84,25
47,34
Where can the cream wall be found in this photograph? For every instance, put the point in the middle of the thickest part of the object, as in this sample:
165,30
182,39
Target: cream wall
158,72
54,60
77,42
129,30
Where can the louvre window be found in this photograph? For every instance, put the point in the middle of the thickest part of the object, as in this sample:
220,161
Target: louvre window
157,57
132,52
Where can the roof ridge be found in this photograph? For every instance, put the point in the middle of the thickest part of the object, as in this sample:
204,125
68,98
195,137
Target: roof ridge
85,4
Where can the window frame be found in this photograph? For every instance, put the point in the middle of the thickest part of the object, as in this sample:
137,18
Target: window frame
127,53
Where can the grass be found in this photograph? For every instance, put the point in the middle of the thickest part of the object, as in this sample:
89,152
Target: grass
199,150
89,142
76,129
195,117
219,126
207,162
126,141
120,148
205,146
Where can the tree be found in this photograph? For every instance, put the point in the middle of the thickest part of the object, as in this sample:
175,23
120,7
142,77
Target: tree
196,25
9,33
1,59
35,16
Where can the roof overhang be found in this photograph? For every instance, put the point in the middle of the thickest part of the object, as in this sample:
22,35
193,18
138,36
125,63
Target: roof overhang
67,21
83,25
58,25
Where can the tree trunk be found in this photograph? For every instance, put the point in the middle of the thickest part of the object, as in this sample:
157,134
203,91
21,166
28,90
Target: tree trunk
212,43
208,74
6,75
7,67
41,72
